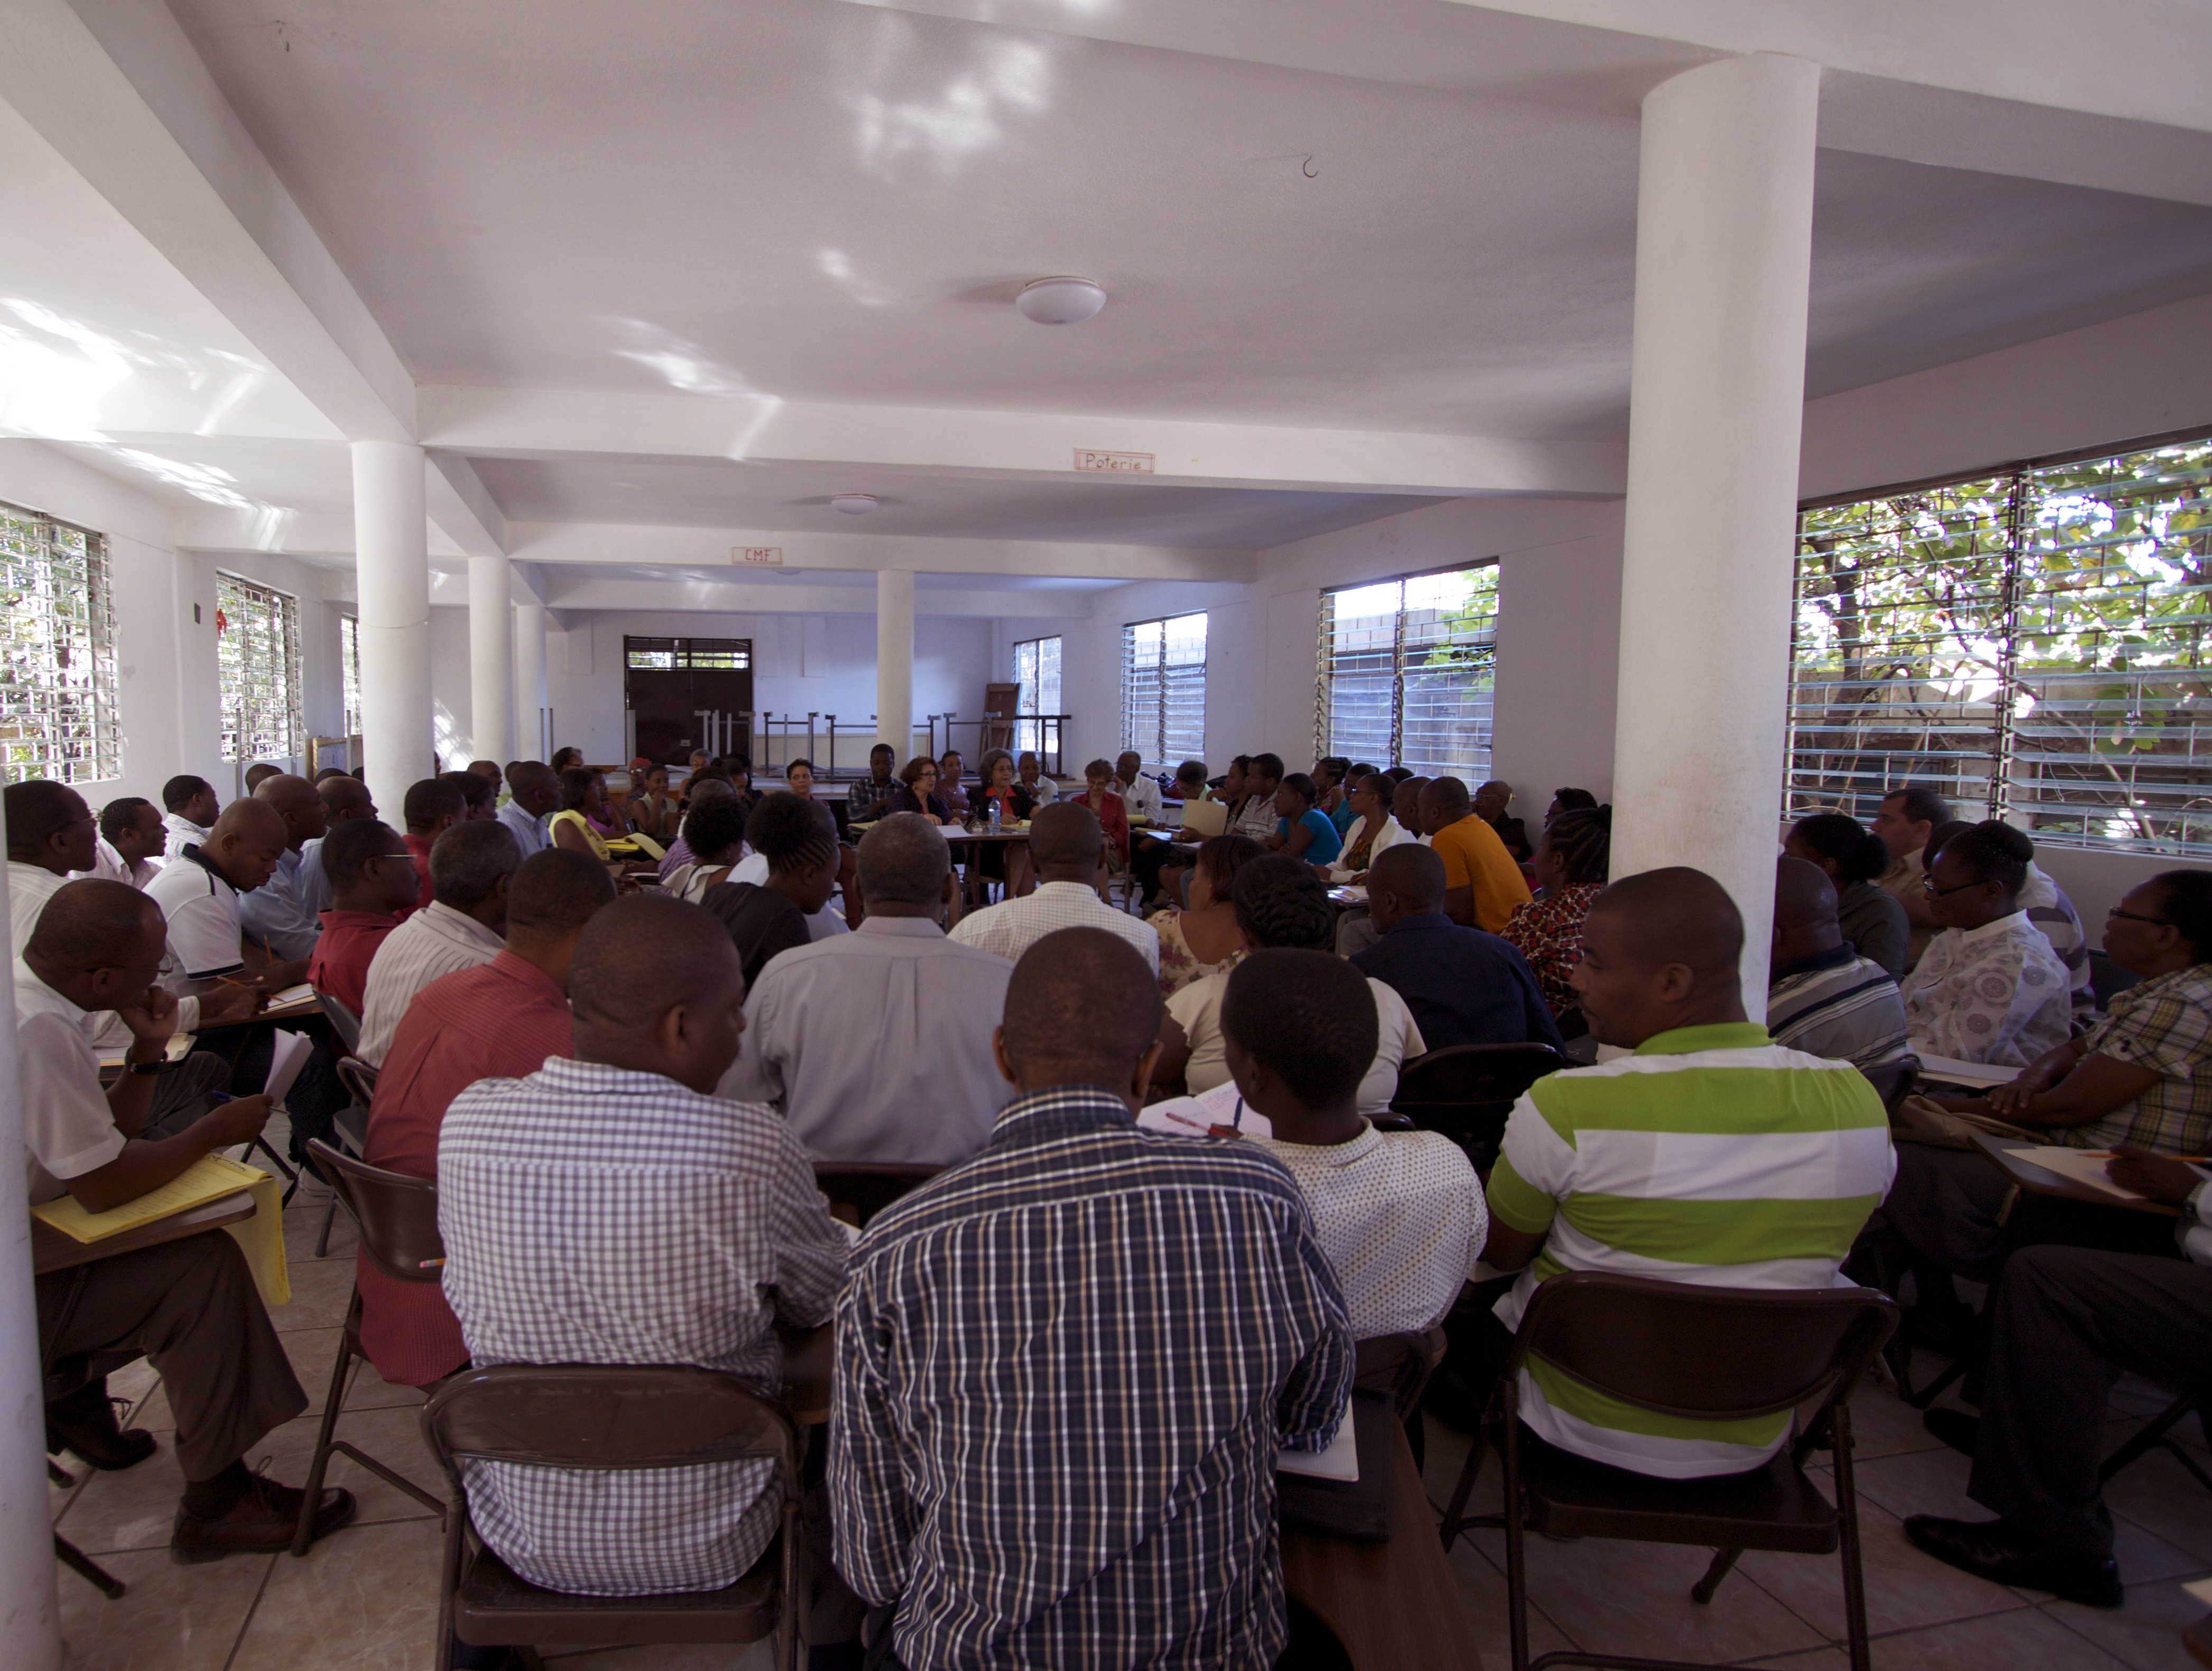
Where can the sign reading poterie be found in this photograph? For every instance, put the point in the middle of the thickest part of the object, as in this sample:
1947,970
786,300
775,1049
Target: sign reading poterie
1122,464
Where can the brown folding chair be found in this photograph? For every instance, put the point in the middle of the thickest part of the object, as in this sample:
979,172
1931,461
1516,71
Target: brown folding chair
858,1191
1709,1354
350,1127
397,1216
606,1417
1467,1090
1398,1364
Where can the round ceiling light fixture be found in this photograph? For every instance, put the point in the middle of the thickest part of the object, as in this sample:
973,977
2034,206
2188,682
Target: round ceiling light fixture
1062,301
853,504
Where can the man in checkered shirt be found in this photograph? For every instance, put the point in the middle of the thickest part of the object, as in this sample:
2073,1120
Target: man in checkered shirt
1064,1367
608,1210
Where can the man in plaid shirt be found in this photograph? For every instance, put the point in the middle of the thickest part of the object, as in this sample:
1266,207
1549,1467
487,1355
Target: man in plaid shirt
1065,1366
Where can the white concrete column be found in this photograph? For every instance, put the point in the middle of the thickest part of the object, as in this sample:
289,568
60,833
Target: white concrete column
30,1604
894,659
491,660
392,562
530,741
1723,260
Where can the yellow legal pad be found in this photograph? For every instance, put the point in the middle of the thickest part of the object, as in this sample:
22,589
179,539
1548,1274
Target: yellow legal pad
208,1179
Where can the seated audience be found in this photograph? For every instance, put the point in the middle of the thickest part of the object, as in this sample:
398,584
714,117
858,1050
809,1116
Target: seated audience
372,877
462,928
1823,997
191,1304
607,1210
1399,1214
259,772
876,1045
432,807
1250,787
1106,807
132,839
1574,856
1490,801
708,784
198,891
533,796
1904,820
1158,858
915,792
1329,776
1482,882
2140,1080
950,789
1128,1326
1280,902
1370,829
1854,859
1141,795
799,778
870,798
2045,904
501,1020
1029,770
345,798
479,795
799,846
1406,804
652,808
1015,804
1806,1159
1203,938
2066,1324
488,770
1302,829
1462,986
585,825
189,808
1065,843
714,836
277,913
1569,800
1989,988
565,759
51,834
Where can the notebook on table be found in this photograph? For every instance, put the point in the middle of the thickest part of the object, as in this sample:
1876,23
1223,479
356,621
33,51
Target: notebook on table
1205,818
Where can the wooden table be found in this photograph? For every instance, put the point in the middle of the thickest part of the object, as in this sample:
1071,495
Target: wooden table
1392,1605
51,1250
2042,1181
1001,838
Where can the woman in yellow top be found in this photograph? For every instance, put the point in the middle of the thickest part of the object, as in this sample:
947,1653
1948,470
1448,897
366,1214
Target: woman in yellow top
583,798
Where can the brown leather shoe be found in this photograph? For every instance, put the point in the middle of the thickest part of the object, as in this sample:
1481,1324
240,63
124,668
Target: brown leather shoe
84,1425
261,1522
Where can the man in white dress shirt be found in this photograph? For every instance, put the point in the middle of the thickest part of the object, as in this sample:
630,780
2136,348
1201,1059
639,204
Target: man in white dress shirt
1138,794
1065,842
50,833
533,792
876,1045
463,926
191,809
132,839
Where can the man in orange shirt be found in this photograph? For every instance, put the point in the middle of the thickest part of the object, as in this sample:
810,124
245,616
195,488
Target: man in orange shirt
1482,884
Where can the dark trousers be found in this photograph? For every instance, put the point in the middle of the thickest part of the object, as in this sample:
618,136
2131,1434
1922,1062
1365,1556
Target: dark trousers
1946,1204
1149,855
191,1306
2069,1322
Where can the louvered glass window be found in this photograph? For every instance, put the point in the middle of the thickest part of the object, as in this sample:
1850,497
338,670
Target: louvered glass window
350,671
58,716
1409,672
1037,672
258,664
2030,644
1164,689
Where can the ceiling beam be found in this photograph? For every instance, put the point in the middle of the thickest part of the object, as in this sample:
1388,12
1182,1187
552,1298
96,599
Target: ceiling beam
293,533
460,504
765,599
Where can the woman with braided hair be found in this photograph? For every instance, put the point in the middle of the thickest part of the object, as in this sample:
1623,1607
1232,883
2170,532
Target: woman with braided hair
1571,863
799,841
1280,902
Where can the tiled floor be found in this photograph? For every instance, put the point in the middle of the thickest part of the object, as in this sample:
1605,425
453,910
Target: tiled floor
366,1598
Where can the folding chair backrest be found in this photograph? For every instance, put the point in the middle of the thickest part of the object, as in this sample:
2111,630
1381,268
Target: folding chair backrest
606,1416
1714,1354
359,1078
1891,1080
866,1189
1474,1073
397,1214
342,1021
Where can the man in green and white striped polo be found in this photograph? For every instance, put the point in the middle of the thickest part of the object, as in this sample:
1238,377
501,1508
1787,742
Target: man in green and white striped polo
1711,1156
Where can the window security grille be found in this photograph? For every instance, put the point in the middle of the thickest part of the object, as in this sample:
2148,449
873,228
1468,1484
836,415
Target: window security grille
1164,689
1037,672
1409,672
350,671
720,655
2030,643
59,715
258,663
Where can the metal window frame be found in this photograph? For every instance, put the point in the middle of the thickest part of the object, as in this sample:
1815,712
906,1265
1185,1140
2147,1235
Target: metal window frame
1155,747
279,614
57,723
1325,650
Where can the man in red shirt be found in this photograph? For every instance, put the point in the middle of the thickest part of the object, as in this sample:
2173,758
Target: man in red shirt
501,1021
433,807
371,880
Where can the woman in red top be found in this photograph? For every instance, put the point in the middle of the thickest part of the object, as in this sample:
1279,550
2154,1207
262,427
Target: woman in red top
1113,814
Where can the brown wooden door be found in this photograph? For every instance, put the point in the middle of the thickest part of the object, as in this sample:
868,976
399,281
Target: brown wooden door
671,681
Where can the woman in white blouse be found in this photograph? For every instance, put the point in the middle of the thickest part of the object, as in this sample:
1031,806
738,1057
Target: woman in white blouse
1372,830
1989,988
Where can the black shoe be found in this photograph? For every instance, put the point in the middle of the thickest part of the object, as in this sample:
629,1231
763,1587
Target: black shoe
1958,1429
84,1425
261,1522
1988,1549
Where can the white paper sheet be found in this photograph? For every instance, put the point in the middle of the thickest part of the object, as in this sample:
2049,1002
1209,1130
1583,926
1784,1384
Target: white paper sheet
2084,1166
1954,1072
1196,1116
286,1057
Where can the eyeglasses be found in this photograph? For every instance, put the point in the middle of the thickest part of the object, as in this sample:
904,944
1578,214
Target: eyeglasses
1929,882
2136,916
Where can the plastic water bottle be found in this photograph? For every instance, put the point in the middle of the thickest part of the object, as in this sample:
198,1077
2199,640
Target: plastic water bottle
993,815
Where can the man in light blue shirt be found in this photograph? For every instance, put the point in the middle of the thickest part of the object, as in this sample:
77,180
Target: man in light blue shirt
533,791
277,913
345,797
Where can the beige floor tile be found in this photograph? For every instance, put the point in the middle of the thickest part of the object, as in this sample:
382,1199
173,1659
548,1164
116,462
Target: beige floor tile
1814,1659
1632,1598
2160,1495
2146,1633
1482,1590
364,1599
1884,1424
321,1290
1904,1588
170,1618
132,1510
2024,1641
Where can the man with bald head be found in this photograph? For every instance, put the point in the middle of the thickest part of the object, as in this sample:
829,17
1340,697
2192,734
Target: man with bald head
282,913
198,891
1065,1367
1822,997
1482,884
1065,843
607,1210
1463,986
1711,1156
876,1045
346,799
189,1304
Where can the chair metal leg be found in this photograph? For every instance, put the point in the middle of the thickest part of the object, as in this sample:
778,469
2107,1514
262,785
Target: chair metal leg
1847,1516
1724,1560
303,1535
1517,1564
2155,1434
85,1567
329,1217
1456,1519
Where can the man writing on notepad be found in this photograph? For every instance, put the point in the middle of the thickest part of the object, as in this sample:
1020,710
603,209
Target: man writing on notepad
189,1304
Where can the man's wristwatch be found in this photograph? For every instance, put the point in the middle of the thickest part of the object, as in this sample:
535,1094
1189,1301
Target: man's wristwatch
146,1070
